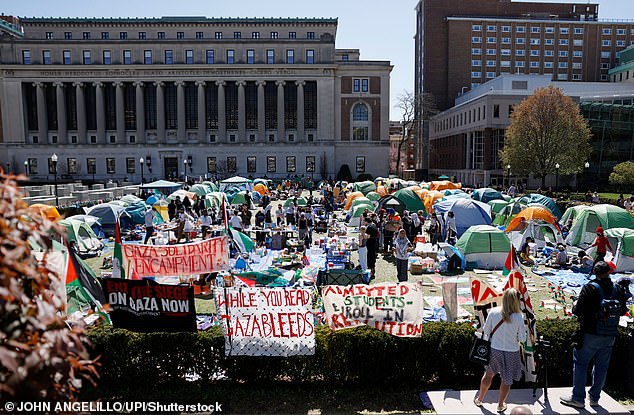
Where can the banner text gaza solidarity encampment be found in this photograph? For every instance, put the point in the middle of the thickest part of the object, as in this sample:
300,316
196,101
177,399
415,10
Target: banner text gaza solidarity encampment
209,255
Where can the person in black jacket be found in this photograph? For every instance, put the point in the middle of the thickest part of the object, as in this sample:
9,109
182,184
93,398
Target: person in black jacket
600,304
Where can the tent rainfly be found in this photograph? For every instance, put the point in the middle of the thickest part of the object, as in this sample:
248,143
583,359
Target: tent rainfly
484,246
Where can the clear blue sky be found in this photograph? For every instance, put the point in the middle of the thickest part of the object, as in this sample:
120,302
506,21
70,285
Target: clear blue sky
382,30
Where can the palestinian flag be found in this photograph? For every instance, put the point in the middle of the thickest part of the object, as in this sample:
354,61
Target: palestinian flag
225,219
511,263
82,287
118,270
244,243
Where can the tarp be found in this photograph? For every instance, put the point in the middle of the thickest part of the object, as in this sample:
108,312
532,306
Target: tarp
486,194
411,200
467,213
373,196
364,187
607,216
350,198
542,200
82,234
49,212
533,213
162,184
622,240
484,246
444,185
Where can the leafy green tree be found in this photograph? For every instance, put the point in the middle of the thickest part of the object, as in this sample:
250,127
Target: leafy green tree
546,129
623,174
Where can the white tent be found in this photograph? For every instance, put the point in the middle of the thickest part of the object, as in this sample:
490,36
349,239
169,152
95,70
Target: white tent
543,233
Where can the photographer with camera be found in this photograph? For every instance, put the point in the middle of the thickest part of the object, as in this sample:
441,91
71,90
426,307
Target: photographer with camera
599,307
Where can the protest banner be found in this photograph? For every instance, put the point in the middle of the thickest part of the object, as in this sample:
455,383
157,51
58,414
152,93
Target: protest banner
266,321
208,255
486,297
395,308
145,306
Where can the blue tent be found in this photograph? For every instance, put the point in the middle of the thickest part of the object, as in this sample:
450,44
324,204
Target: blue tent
547,202
466,211
486,194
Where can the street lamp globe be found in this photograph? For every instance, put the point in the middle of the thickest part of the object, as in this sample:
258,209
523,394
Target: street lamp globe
557,166
54,158
141,160
587,165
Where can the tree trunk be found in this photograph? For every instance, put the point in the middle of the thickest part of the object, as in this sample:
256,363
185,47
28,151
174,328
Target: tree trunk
398,158
543,182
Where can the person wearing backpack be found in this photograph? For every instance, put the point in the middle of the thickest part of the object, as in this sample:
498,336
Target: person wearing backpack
600,305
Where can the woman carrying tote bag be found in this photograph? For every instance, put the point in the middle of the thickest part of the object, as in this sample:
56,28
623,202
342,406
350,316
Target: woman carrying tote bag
505,347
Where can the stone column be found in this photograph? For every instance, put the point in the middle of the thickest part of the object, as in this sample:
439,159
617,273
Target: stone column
180,111
202,117
62,132
160,112
281,134
42,120
242,113
99,110
222,119
300,110
120,108
261,113
81,112
140,112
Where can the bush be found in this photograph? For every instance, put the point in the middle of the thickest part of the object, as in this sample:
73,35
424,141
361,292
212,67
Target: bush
361,356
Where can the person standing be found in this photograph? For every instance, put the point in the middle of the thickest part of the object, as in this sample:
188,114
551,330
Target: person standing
363,249
372,244
236,221
171,209
205,222
302,226
433,229
602,244
505,329
149,224
279,215
599,307
401,249
392,225
452,231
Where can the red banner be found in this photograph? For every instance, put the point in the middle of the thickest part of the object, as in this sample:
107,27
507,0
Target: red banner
209,255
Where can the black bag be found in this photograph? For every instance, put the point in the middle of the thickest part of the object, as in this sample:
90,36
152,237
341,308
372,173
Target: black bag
481,349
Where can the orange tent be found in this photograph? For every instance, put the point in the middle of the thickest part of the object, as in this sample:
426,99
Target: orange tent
382,190
430,199
261,189
414,188
47,211
444,185
350,198
518,223
421,193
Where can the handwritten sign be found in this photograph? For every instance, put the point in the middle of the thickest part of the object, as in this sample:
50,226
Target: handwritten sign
144,305
266,321
395,308
208,255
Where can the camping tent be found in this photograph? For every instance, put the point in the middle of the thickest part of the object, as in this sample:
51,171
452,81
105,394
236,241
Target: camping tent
92,221
622,240
484,246
137,212
200,189
301,201
507,213
214,199
497,205
542,200
572,213
237,182
373,196
390,202
47,211
212,186
182,194
382,191
82,287
362,201
444,185
411,200
128,200
357,212
543,233
486,194
107,214
608,216
350,198
532,213
430,199
261,189
466,211
364,187
162,186
82,234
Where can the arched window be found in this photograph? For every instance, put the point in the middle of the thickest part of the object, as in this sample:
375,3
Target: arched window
360,122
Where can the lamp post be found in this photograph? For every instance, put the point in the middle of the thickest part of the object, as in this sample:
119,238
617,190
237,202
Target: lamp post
508,176
8,170
185,169
54,161
557,177
26,167
141,161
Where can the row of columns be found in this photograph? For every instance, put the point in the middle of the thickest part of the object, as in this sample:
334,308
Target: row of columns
62,129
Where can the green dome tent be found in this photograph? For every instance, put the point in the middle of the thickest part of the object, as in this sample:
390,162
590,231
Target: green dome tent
484,246
200,189
622,240
507,213
212,186
362,201
486,194
573,213
214,199
364,187
82,234
301,201
607,216
411,200
542,200
357,212
497,205
373,196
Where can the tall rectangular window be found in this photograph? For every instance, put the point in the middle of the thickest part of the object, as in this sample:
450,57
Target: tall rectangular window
49,35
147,57
364,85
237,35
251,164
127,57
290,56
211,165
107,57
46,57
110,165
26,57
68,35
291,166
123,35
169,57
180,35
232,164
199,35
66,57
310,56
189,56
271,164
270,56
250,56
86,57
310,35
33,166
105,35
71,165
274,35
255,35
230,56
218,35
130,166
292,35
210,56
142,35
310,164
356,85
160,35
86,35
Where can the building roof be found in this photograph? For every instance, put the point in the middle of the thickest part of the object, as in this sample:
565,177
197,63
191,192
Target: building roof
180,19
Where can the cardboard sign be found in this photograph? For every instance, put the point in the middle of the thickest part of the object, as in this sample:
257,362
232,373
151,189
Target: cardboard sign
144,305
395,308
266,321
208,255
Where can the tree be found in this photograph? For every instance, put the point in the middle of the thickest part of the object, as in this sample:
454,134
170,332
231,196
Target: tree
409,104
40,356
546,129
623,174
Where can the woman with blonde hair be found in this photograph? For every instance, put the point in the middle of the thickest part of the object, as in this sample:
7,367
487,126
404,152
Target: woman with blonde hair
505,329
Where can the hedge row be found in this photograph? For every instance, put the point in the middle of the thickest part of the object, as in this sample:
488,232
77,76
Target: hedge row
355,356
